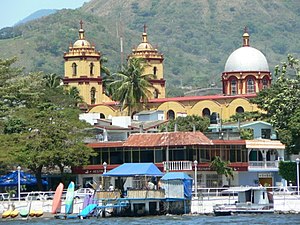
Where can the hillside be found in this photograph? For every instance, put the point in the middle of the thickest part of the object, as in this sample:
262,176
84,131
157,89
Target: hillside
196,37
36,15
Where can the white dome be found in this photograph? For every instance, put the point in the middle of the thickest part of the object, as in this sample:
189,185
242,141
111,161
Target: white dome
246,59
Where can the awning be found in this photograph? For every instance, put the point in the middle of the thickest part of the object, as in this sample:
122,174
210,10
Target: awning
134,169
264,144
176,176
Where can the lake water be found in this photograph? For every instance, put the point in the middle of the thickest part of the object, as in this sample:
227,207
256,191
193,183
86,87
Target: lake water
171,219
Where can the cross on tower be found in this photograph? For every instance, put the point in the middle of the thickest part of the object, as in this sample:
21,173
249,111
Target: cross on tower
81,24
246,29
145,28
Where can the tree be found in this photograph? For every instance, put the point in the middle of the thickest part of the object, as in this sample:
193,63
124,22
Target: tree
221,167
40,126
131,87
288,171
281,103
188,123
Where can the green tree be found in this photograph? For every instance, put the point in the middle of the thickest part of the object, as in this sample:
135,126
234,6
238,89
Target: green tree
281,103
188,123
288,171
221,167
131,87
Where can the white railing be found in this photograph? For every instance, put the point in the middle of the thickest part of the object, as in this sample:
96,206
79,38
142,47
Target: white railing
263,164
178,166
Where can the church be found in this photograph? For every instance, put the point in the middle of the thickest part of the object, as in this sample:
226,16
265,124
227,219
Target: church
246,72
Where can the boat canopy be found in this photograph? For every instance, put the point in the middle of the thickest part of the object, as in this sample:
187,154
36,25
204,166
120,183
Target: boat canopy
241,189
134,169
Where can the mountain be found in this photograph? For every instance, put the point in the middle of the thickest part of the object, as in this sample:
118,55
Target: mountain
196,37
36,15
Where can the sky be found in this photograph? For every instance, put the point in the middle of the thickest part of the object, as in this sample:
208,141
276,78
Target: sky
12,11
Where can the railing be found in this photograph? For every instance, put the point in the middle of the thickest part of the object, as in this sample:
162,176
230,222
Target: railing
178,165
263,164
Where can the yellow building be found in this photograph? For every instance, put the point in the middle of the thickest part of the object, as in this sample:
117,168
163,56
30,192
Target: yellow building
246,73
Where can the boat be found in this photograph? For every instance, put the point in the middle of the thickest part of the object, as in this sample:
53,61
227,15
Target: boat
69,198
24,212
39,213
6,213
250,200
56,204
14,213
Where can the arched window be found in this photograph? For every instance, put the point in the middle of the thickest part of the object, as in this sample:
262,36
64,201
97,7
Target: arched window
233,89
239,109
102,116
154,70
206,112
214,118
155,93
170,115
74,69
264,83
91,68
93,95
250,85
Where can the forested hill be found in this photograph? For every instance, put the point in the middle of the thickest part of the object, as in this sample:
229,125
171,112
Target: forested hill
196,37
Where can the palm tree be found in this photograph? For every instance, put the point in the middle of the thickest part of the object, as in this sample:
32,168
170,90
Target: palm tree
131,87
221,167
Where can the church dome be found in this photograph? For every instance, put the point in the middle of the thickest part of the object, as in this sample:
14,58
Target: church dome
82,44
246,59
144,46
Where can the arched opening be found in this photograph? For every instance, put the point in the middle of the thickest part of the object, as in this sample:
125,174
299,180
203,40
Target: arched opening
91,68
170,115
102,116
233,87
264,83
255,155
154,70
93,95
155,93
133,115
206,112
250,85
239,109
74,69
214,118
272,155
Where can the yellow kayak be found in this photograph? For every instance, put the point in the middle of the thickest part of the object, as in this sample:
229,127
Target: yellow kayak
14,213
39,213
6,213
32,213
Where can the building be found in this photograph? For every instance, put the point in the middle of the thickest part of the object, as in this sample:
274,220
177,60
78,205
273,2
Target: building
246,72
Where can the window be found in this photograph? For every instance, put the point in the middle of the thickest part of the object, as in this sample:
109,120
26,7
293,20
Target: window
92,69
233,87
93,95
170,115
250,85
266,133
155,94
213,180
264,83
214,118
206,112
154,70
239,109
102,116
74,69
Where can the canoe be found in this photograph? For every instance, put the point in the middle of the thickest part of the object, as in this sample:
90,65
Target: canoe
14,213
6,213
87,210
39,213
56,204
24,212
32,213
70,198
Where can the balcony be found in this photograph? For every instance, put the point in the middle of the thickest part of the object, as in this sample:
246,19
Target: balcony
263,166
178,166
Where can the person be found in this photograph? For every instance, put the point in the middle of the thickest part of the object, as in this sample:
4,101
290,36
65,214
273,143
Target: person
151,185
111,187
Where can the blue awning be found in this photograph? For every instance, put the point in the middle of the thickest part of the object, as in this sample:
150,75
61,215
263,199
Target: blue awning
11,179
176,176
134,169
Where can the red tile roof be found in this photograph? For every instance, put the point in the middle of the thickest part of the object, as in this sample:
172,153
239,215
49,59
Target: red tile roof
167,139
229,142
106,144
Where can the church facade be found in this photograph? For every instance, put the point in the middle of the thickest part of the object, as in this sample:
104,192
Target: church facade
246,72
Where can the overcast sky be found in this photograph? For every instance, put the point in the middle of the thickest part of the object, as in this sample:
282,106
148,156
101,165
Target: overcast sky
12,11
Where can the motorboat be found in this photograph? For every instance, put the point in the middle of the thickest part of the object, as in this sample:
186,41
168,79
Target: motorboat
249,200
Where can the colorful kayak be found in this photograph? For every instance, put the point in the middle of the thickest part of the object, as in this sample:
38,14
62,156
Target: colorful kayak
56,204
70,198
6,213
32,213
39,213
14,213
24,212
87,210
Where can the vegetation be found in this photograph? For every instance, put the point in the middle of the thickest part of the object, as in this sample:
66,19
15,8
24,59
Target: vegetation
221,167
281,103
190,34
288,171
130,86
188,123
39,125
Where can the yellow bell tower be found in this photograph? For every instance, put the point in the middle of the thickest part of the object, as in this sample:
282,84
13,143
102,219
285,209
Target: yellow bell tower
154,64
82,69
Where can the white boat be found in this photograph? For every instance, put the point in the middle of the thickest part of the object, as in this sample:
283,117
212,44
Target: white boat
250,200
